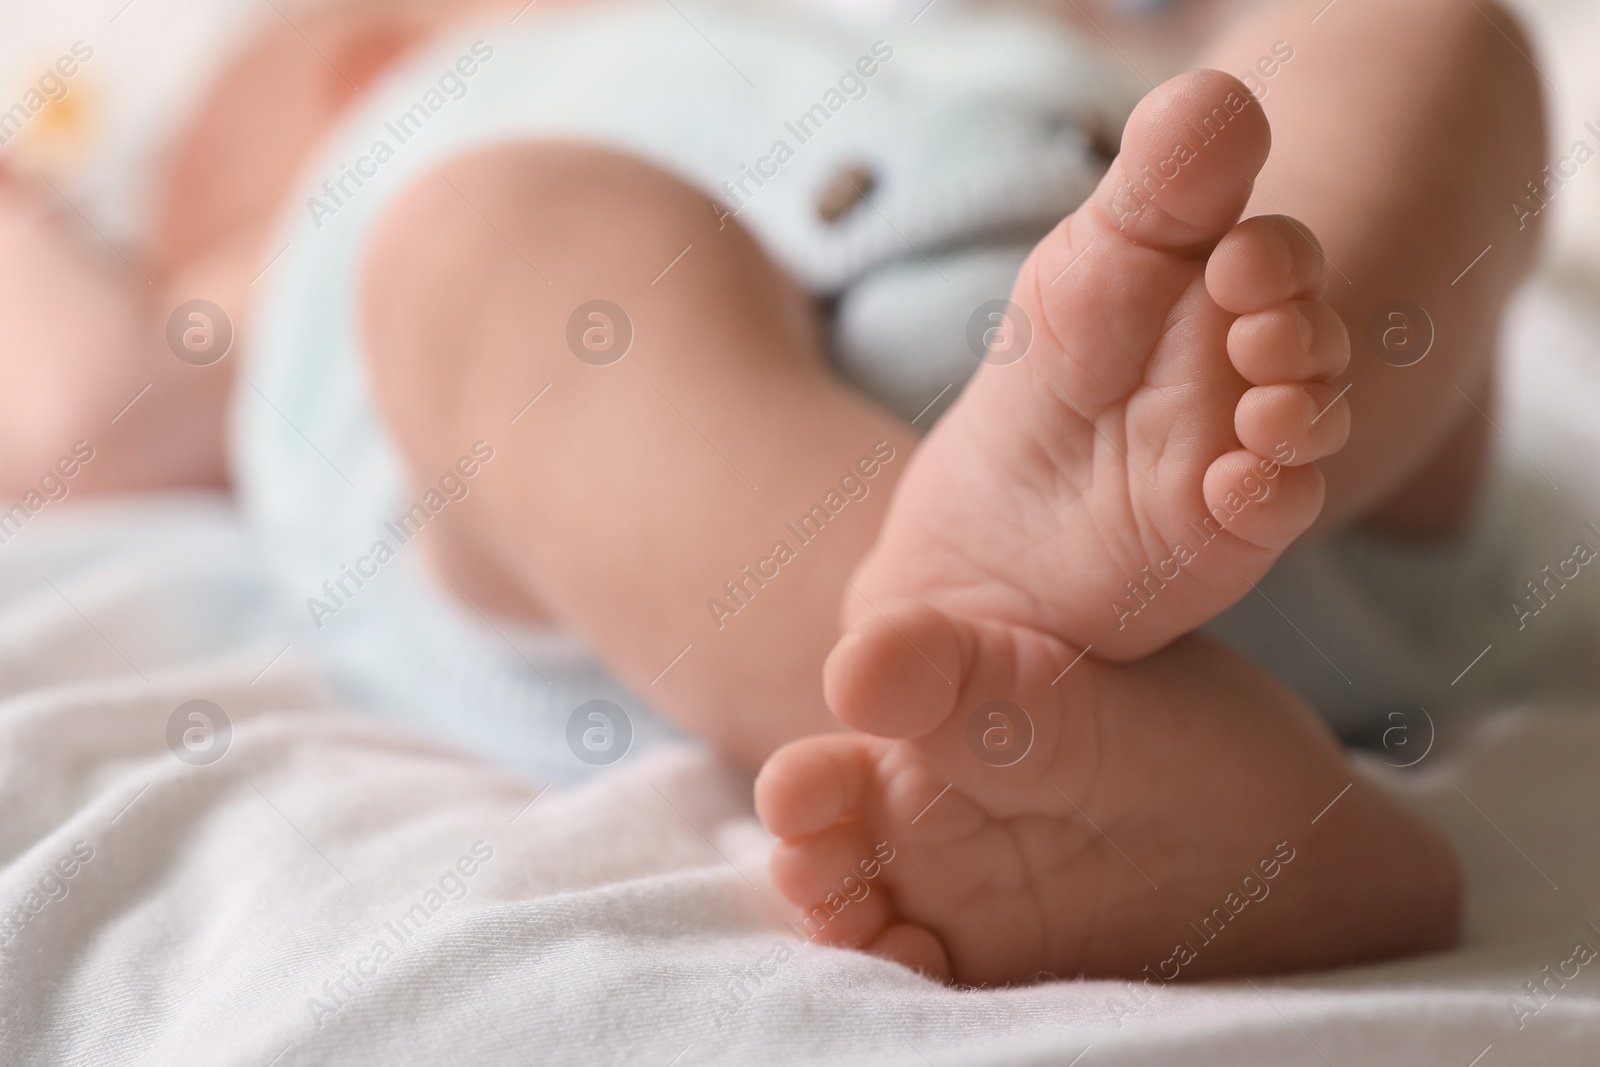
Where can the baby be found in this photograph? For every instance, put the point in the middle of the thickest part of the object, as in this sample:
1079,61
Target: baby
1064,776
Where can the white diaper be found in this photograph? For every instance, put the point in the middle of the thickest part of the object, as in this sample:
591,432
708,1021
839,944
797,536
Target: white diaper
968,131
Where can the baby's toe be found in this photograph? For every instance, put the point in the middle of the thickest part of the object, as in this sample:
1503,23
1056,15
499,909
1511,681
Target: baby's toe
811,785
823,875
1265,260
898,673
1295,341
1293,424
914,947
1262,502
1174,187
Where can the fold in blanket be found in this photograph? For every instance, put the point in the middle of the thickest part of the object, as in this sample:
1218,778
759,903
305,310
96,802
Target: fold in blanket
309,887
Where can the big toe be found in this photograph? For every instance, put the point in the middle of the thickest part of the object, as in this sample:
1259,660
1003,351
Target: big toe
1190,153
897,673
812,784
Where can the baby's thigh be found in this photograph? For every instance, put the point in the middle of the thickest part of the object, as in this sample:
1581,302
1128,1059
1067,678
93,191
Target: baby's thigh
473,277
535,266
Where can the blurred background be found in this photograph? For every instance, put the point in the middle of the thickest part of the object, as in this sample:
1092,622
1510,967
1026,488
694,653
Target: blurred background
151,60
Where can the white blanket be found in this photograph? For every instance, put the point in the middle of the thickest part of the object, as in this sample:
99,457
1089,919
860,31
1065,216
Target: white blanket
159,911
331,892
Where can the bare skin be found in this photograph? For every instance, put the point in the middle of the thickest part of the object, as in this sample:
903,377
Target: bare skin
1028,876
90,327
955,632
610,514
1401,218
1172,405
1027,871
725,377
1147,795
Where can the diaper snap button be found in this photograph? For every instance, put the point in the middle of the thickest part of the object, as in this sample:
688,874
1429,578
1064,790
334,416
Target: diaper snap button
1104,140
849,187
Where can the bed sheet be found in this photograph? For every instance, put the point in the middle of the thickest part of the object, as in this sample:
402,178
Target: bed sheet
280,882
204,859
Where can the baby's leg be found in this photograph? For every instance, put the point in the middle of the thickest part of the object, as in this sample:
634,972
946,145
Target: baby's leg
627,495
1402,133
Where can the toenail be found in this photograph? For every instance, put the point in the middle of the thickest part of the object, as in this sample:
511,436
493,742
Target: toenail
1307,334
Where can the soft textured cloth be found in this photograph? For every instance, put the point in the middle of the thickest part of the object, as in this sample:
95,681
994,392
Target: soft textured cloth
208,905
231,911
328,891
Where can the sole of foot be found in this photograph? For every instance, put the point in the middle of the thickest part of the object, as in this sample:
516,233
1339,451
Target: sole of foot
1184,814
1145,449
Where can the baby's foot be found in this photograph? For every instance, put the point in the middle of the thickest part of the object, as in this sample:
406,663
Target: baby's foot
1159,431
1150,454
1180,817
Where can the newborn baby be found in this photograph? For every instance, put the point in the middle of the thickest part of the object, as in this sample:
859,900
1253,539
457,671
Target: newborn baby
975,672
